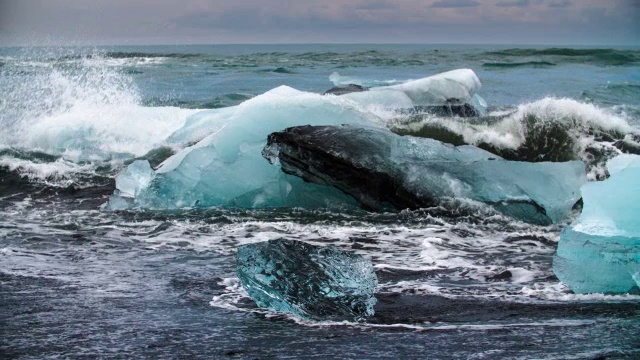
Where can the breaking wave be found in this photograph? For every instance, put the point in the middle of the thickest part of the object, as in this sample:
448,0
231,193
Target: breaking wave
550,129
62,121
76,114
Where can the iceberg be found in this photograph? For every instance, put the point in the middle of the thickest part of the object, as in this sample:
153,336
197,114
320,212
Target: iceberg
313,282
224,166
382,170
600,252
449,93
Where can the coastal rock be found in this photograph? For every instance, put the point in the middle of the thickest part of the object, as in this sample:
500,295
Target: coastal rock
382,170
313,282
600,252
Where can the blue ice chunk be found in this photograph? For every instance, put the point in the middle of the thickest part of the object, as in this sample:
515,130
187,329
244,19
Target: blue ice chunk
313,282
129,183
135,177
600,252
226,168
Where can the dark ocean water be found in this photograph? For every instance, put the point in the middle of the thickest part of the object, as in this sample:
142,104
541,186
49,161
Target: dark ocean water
80,281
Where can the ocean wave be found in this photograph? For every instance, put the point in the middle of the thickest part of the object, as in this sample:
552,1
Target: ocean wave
222,101
32,173
278,70
137,54
550,129
599,56
532,64
82,111
613,94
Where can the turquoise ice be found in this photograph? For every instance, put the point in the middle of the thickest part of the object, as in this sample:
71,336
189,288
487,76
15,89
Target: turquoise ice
223,166
600,252
314,282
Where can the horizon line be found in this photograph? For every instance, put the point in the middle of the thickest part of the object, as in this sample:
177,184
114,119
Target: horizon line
71,44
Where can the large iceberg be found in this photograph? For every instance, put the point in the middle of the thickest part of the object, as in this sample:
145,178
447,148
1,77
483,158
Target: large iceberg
222,165
225,168
383,170
315,282
600,253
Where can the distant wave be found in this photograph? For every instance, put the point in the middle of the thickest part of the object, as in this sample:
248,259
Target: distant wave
136,54
533,64
614,94
23,170
602,56
278,70
222,101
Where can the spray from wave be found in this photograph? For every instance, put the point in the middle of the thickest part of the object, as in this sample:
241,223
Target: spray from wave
78,109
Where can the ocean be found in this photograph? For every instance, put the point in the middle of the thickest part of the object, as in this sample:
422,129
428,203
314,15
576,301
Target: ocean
79,279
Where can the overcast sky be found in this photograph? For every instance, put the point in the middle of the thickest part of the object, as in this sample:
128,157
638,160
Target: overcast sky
578,22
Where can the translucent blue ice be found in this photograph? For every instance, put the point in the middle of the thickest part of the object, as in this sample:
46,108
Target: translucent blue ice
313,282
223,166
600,252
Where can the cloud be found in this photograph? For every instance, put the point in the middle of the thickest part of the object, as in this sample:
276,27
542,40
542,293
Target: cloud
560,4
376,5
455,4
283,21
515,3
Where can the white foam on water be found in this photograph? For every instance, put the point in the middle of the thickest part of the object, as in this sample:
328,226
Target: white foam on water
58,173
510,132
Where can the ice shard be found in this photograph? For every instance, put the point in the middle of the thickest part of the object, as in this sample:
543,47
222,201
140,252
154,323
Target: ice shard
600,252
313,282
383,170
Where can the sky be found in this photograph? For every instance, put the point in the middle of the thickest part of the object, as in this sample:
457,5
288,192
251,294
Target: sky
136,22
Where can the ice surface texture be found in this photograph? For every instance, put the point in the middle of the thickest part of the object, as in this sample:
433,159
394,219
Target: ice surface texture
223,165
313,282
381,170
600,253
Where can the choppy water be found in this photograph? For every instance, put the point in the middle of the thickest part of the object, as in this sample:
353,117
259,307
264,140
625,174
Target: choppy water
79,281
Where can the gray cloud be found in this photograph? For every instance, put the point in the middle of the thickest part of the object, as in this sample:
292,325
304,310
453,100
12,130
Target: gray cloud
286,21
454,3
560,3
515,3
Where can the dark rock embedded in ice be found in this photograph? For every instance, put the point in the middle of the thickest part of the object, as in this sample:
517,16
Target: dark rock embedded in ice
383,170
314,282
346,89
